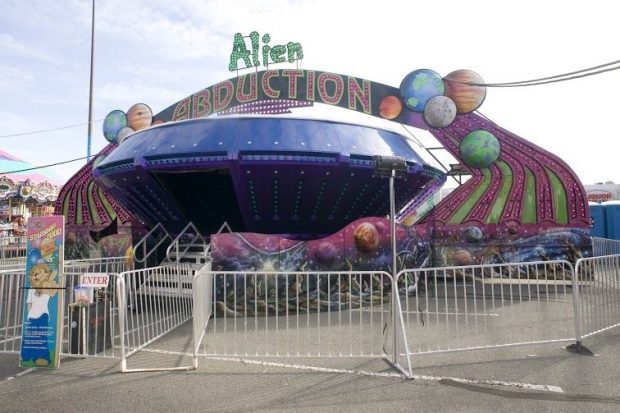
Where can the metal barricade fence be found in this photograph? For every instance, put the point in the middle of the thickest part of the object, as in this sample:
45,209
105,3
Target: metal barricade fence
603,247
202,290
152,302
299,314
110,265
14,249
13,263
486,306
597,286
11,310
89,329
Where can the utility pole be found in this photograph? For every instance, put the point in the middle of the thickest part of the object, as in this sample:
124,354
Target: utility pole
90,94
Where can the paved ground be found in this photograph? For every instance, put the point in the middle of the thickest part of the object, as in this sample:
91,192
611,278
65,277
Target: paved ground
530,378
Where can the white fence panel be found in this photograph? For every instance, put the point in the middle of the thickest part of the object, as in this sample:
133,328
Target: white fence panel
152,302
203,304
11,310
598,308
474,307
13,263
298,314
89,329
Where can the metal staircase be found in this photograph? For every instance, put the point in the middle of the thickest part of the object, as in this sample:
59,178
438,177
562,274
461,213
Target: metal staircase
147,251
188,247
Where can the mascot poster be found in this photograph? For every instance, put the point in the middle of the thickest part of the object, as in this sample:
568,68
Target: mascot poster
43,293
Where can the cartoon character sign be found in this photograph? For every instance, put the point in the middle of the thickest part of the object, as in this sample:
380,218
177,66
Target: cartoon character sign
40,344
43,286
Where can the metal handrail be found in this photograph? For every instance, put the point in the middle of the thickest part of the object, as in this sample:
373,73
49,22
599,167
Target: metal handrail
142,243
176,243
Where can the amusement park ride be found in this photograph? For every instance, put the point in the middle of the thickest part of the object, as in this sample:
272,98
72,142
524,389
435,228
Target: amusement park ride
303,193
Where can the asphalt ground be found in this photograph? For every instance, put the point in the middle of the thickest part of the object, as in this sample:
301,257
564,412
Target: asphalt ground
524,378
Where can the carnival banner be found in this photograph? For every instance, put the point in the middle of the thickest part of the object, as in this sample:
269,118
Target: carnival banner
44,292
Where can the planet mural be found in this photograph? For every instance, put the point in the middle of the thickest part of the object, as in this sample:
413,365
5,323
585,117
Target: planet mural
460,257
390,107
113,123
473,234
139,116
326,253
419,86
440,112
366,237
479,149
461,87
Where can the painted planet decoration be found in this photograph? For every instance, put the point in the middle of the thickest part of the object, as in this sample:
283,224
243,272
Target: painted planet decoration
139,116
123,134
473,234
461,257
440,112
461,87
390,107
113,123
419,86
479,149
366,237
383,226
326,253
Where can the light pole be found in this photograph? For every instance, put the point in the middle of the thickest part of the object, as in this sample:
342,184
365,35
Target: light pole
90,94
392,166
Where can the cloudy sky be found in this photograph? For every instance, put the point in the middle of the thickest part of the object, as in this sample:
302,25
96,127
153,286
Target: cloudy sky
158,52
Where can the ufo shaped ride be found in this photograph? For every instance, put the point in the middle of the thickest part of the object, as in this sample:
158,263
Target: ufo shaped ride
302,178
277,180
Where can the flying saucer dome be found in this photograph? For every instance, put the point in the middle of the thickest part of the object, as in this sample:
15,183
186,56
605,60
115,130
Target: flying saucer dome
301,177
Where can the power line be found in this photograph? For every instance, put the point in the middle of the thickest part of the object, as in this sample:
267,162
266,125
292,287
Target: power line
591,71
48,130
43,166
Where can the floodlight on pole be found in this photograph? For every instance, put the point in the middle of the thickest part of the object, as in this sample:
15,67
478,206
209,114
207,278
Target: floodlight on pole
392,166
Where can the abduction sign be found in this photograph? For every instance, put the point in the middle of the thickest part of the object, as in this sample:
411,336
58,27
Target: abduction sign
44,293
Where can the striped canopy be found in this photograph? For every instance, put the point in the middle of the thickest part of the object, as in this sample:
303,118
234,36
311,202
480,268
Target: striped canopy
10,163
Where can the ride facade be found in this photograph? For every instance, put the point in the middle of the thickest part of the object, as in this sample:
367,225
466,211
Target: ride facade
302,193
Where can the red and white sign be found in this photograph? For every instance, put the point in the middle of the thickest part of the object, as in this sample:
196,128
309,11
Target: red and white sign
94,279
600,196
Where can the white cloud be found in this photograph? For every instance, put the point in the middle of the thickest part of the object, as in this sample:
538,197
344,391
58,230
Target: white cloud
123,94
9,45
159,52
15,79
